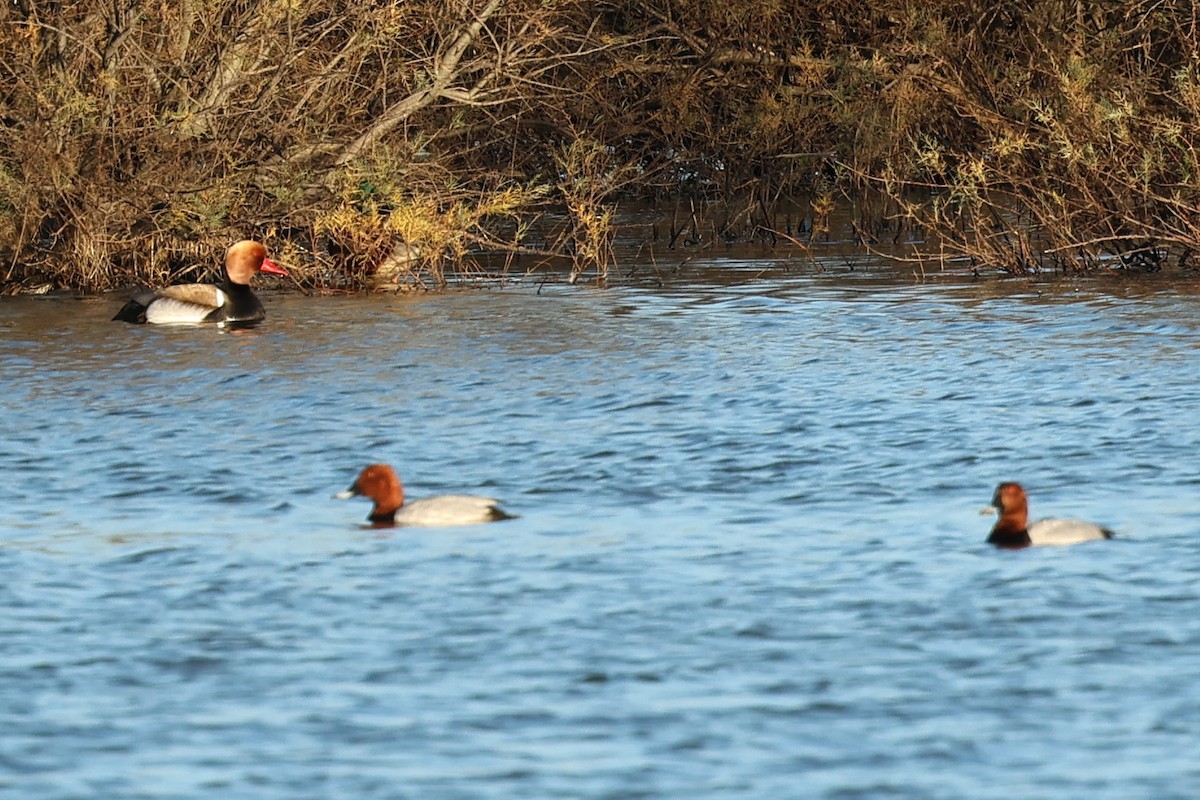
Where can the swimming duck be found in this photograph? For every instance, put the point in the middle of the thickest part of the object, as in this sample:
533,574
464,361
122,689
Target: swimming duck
229,303
1013,531
380,483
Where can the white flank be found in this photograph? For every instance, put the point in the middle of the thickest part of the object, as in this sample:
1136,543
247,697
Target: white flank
1050,532
447,509
168,311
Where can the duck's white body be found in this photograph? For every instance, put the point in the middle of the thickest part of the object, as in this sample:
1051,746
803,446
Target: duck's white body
169,306
1059,532
448,509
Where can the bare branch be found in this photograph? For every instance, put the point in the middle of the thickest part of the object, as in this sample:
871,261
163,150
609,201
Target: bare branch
240,61
445,72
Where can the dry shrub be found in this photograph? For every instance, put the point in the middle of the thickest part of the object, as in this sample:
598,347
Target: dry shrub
589,178
1079,148
390,233
137,130
1044,134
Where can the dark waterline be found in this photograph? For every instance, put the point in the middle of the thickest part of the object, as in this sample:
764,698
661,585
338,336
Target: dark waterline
748,560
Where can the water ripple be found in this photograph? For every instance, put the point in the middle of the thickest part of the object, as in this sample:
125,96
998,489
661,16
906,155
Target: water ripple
747,563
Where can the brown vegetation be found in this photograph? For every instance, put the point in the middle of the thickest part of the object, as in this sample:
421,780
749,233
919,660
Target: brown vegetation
141,138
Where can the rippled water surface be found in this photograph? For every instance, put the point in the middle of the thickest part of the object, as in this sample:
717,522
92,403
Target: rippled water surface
748,561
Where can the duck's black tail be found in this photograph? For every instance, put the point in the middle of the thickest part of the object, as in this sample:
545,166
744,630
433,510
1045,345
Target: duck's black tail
135,310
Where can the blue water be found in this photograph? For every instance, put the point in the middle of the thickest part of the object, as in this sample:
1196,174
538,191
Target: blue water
748,560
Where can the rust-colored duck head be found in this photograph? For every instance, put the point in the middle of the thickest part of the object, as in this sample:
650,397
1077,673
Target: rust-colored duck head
1012,529
380,483
246,259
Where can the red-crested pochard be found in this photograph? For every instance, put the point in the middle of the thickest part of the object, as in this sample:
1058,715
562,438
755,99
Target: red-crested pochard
229,303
